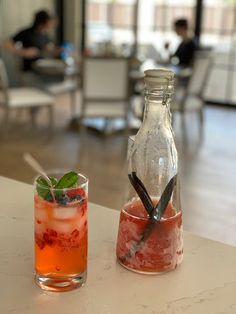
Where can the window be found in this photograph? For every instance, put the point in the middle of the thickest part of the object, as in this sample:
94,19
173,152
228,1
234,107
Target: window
219,21
219,17
155,25
109,25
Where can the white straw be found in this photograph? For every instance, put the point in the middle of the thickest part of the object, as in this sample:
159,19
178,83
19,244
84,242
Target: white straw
33,163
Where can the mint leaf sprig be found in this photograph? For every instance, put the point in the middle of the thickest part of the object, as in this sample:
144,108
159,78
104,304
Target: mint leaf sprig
43,187
69,180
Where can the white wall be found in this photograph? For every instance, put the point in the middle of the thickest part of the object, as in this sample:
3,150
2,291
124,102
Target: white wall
17,14
14,16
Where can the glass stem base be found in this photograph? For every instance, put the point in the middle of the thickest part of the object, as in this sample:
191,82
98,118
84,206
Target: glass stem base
59,284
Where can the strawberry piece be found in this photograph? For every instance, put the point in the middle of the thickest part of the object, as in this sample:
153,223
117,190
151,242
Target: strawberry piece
51,233
74,193
48,240
75,233
39,242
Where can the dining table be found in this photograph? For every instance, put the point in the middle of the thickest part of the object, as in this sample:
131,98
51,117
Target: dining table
55,67
205,282
59,78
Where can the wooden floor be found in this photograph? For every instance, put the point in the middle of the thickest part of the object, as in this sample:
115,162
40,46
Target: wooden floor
208,170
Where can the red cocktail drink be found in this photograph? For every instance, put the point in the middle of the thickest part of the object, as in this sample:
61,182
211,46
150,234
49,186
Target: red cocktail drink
61,240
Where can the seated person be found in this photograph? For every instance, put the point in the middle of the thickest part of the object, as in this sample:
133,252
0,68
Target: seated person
33,43
185,52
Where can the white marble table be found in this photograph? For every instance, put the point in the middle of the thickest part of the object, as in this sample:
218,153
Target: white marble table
205,282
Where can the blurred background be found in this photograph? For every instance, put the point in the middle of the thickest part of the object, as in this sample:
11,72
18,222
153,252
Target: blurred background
71,94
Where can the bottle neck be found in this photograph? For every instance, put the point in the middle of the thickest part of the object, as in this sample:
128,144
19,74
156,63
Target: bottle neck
157,109
159,88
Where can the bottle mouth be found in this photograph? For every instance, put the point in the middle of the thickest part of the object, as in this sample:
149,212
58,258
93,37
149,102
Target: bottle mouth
159,83
159,76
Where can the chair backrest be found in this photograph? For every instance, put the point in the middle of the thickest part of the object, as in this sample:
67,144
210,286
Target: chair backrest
13,65
105,79
200,73
3,82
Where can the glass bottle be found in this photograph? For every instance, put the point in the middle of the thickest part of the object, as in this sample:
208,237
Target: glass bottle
150,230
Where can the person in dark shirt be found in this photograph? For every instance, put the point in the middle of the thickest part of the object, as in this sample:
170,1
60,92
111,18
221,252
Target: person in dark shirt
33,42
185,52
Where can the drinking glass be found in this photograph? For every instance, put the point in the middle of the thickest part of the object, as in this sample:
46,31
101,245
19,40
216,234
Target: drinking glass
61,235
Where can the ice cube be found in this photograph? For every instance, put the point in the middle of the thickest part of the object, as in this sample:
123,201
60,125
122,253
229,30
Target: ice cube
41,215
62,213
62,227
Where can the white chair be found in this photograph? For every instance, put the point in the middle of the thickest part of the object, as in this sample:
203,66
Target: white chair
105,91
190,98
23,98
13,66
